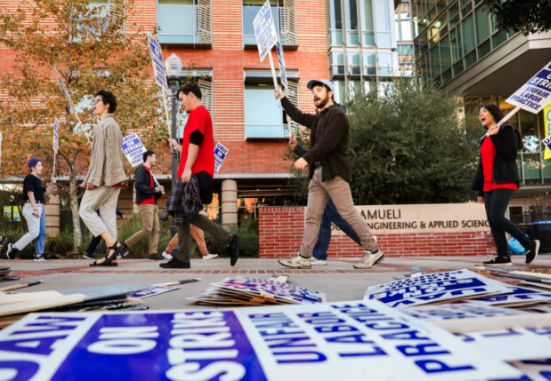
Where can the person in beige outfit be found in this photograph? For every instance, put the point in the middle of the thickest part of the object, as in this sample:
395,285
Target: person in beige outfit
104,179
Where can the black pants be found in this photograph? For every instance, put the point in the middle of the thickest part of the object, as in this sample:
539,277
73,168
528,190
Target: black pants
496,203
93,245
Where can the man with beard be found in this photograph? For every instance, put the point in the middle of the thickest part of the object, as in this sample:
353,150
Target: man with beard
329,171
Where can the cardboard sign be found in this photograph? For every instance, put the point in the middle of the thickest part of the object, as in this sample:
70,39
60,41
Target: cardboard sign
56,134
431,288
157,60
133,149
536,93
264,30
516,296
463,310
152,291
281,60
512,344
220,152
9,210
339,341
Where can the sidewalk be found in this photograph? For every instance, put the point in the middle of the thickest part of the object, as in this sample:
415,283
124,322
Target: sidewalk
338,279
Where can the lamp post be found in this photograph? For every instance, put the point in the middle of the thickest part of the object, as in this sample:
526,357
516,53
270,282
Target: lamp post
173,66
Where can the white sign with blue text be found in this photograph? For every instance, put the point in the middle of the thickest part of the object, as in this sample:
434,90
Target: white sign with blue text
133,149
534,370
56,134
338,341
220,152
264,30
516,296
157,60
431,288
535,94
281,60
462,310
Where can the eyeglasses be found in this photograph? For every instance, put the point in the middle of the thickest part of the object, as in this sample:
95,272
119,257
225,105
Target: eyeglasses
96,100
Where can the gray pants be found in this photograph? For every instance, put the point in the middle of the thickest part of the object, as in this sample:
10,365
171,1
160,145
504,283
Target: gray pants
204,223
105,199
338,190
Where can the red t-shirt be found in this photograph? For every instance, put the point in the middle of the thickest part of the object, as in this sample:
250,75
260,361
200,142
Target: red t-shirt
150,200
199,120
488,155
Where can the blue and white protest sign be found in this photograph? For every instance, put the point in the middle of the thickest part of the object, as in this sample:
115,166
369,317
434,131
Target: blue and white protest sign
338,341
533,370
152,291
133,149
265,30
431,288
281,60
516,296
56,134
463,310
512,344
157,60
535,94
220,152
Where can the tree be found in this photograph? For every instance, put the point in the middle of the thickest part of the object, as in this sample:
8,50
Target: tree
528,16
408,146
93,48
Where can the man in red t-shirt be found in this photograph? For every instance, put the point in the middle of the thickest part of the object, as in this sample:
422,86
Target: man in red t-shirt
198,159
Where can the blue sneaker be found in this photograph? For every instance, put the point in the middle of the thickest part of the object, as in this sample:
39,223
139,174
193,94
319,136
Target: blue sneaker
89,256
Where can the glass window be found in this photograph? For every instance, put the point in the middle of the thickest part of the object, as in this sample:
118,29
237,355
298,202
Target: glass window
263,117
337,63
370,63
382,14
351,12
354,63
100,14
435,60
175,20
340,90
367,20
385,65
354,88
445,54
336,23
250,10
467,28
482,25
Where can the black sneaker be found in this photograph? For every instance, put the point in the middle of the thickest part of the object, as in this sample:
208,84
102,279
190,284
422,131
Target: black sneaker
233,249
175,264
155,257
499,261
532,254
89,256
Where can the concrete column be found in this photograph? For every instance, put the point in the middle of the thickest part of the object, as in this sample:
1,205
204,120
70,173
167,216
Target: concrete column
229,202
52,215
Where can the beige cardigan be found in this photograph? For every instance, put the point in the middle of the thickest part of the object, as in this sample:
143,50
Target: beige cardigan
106,166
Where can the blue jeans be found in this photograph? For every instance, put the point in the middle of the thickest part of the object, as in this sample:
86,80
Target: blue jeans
41,239
330,214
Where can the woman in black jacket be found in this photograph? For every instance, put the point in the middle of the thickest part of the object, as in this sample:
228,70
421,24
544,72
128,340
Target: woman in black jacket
496,181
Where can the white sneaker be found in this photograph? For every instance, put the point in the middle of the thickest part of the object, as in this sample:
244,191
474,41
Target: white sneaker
10,249
166,255
40,258
210,256
317,262
297,262
370,259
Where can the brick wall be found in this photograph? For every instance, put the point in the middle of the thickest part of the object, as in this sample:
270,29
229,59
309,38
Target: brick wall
281,230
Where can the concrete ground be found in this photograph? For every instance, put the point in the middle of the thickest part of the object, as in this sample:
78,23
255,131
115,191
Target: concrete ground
338,279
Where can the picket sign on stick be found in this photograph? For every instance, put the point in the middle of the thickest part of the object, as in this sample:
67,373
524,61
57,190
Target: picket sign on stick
266,36
533,96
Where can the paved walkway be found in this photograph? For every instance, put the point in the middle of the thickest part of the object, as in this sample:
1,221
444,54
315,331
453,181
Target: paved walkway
338,279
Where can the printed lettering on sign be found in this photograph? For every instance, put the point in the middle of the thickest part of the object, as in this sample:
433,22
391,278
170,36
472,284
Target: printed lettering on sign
535,94
264,30
220,152
157,60
336,341
133,149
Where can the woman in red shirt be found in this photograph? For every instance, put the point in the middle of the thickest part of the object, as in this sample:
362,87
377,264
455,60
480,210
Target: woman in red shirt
496,181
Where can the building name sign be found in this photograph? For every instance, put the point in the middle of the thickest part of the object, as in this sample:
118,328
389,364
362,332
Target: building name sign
423,218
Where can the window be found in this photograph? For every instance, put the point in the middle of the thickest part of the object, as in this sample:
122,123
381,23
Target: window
176,20
403,22
370,64
337,63
351,13
336,22
97,12
250,10
340,91
482,25
383,33
385,66
354,63
368,35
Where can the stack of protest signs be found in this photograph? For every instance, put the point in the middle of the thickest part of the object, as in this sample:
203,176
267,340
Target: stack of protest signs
243,291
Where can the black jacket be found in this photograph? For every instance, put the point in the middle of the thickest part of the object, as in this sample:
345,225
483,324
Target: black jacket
505,162
143,188
331,148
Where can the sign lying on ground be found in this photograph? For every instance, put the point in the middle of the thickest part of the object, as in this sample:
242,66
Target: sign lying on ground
152,291
463,310
220,152
535,94
157,60
133,149
431,288
534,370
264,30
344,341
516,296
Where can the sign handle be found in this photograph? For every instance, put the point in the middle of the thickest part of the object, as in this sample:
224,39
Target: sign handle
274,76
81,126
169,128
508,116
53,169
